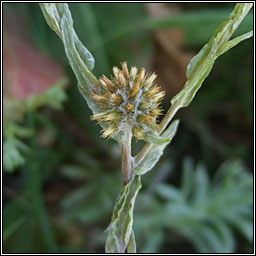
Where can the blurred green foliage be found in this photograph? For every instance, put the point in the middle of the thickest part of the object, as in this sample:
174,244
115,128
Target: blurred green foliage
201,210
61,199
13,146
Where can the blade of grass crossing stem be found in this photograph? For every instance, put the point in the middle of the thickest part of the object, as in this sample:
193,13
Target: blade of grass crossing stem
88,18
192,23
33,185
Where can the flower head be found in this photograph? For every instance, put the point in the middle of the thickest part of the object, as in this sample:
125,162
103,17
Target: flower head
129,97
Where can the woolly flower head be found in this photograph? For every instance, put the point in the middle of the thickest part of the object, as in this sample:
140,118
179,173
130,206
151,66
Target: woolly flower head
129,99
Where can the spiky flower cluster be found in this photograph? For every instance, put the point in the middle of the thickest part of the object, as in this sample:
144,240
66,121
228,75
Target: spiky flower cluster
129,98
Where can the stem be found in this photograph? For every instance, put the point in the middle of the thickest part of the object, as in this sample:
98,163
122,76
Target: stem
125,145
165,121
221,38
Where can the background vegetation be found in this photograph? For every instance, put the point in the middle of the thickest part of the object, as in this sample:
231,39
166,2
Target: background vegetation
61,178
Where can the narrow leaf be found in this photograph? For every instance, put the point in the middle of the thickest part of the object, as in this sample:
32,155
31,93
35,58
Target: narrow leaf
51,16
155,138
78,63
235,41
52,97
201,184
157,150
131,248
201,65
187,174
169,193
120,228
59,18
54,14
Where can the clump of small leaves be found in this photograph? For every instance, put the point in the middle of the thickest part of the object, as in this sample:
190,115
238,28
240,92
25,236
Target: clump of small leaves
30,80
213,207
128,105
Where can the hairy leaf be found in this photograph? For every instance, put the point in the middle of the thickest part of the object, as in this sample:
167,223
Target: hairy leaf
223,205
155,138
80,59
201,65
157,150
120,228
131,248
230,44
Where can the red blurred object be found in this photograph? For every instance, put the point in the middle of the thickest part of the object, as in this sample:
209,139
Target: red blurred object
26,71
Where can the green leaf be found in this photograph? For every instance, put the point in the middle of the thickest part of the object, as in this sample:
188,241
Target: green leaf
11,129
86,14
131,248
243,225
13,147
187,174
86,80
201,184
214,238
235,41
77,61
13,217
211,209
157,150
154,138
52,97
80,59
12,153
51,16
120,228
201,65
15,225
22,132
192,23
169,193
153,241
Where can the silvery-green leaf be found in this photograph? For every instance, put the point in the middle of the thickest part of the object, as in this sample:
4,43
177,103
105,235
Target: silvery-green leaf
224,32
51,16
53,97
86,80
120,228
154,138
12,153
12,130
201,65
63,10
187,174
131,248
201,183
169,193
198,69
54,13
156,151
81,60
230,44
